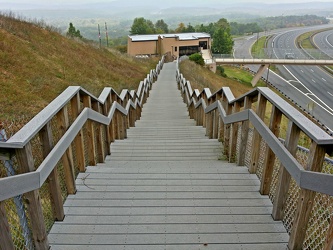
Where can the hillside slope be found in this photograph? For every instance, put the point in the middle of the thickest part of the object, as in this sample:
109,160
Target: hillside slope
37,64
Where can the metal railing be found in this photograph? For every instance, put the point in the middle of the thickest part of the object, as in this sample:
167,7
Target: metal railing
39,163
298,181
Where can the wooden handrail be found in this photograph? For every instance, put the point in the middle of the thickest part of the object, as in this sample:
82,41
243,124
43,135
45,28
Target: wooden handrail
221,110
26,182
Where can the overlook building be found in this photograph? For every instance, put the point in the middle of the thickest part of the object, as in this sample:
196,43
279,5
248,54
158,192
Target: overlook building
173,44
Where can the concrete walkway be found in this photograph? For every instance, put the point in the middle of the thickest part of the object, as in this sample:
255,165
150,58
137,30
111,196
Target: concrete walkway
164,188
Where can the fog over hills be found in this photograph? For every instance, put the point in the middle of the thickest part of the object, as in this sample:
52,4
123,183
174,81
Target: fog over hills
129,8
119,14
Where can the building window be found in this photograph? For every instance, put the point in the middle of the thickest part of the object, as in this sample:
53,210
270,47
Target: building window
176,48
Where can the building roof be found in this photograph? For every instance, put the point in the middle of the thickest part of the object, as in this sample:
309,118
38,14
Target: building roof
179,36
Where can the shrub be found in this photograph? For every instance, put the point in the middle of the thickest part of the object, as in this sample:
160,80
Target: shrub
220,71
197,58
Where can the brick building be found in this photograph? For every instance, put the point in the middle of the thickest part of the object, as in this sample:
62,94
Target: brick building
172,44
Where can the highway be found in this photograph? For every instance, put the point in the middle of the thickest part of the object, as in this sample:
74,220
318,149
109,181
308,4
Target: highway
309,87
313,81
324,41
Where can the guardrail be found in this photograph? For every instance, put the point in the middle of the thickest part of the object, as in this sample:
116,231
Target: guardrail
44,157
298,181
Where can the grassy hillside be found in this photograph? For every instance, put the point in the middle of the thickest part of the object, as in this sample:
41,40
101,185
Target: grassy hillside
201,77
37,64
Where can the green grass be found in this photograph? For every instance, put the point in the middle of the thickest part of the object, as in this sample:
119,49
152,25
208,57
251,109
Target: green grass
305,41
38,63
241,76
257,48
201,77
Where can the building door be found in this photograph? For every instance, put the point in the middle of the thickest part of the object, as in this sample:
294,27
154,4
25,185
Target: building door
203,44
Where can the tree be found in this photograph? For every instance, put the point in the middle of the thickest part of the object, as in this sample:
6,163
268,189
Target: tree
181,28
72,32
161,27
142,26
189,28
222,40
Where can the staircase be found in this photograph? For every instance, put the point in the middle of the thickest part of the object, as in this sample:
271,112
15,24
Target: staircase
164,187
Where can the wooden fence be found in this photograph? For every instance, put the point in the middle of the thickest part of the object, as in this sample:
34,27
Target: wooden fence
300,185
72,132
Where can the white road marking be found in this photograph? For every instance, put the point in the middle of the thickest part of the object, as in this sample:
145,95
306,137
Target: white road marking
311,70
324,79
313,80
330,93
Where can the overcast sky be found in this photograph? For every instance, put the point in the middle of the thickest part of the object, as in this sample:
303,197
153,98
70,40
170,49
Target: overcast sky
43,2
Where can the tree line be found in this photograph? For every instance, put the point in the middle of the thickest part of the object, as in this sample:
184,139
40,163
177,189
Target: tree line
220,31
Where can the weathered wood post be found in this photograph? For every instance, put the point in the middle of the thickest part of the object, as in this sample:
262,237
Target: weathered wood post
226,129
79,139
90,134
46,139
100,145
233,133
67,158
34,206
106,109
306,199
209,124
284,177
6,241
267,172
256,139
244,134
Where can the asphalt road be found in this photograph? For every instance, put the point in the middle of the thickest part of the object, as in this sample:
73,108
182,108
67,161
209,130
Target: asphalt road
324,41
313,81
309,87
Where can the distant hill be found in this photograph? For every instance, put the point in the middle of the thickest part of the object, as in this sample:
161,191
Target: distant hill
119,14
37,64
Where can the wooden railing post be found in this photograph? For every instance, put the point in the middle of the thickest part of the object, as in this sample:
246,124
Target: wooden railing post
284,177
220,129
267,172
329,236
233,133
244,134
256,139
203,116
67,158
226,132
106,109
138,112
216,124
209,124
90,134
79,139
100,145
125,126
26,164
6,241
53,180
116,125
306,199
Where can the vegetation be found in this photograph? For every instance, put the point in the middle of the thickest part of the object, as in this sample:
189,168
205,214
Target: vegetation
220,71
73,32
37,64
258,46
142,26
238,29
201,77
197,58
277,22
